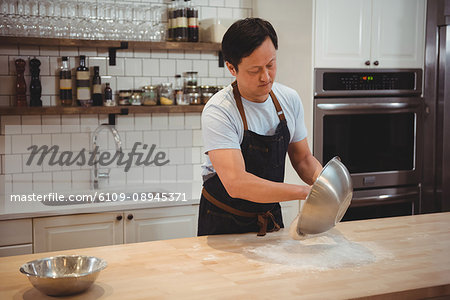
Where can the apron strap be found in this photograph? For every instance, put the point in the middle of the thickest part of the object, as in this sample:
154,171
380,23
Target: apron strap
237,97
263,218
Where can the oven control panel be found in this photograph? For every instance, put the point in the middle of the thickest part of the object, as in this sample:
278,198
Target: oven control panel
368,81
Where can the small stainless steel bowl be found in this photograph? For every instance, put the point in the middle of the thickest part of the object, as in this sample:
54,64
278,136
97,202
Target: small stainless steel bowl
63,275
328,200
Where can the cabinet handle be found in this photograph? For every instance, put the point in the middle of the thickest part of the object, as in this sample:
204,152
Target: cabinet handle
376,63
119,217
130,217
367,63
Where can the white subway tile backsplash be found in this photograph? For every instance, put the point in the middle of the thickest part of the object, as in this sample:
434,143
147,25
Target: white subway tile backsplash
176,121
167,67
168,138
51,123
12,163
168,173
151,67
184,138
176,156
232,3
225,12
142,121
118,69
42,182
125,123
208,81
151,138
49,165
101,63
208,12
152,174
62,181
68,51
160,121
175,54
48,50
5,101
87,52
30,163
62,140
135,175
41,139
125,53
183,66
2,144
9,50
28,50
140,82
88,123
133,67
196,155
246,4
79,141
191,54
22,183
124,83
4,62
11,124
141,53
8,85
224,81
214,69
197,139
201,66
192,120
81,180
70,123
31,124
131,138
210,55
49,84
158,54
216,2
184,173
241,13
20,143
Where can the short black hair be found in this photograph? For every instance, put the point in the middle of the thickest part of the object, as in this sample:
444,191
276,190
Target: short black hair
244,36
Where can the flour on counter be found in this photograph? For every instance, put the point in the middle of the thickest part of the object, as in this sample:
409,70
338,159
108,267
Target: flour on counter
322,252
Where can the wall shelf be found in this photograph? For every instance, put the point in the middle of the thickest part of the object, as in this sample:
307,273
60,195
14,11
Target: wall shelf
62,42
60,110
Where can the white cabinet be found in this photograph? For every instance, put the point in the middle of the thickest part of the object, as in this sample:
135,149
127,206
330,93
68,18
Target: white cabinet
161,223
369,33
77,231
111,228
16,237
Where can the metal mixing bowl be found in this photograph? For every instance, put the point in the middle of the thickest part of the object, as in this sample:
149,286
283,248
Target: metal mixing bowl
328,200
63,275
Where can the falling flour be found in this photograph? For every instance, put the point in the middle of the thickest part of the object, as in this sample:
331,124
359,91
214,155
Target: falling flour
323,252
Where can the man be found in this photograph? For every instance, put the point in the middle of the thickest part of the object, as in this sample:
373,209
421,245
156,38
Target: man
248,127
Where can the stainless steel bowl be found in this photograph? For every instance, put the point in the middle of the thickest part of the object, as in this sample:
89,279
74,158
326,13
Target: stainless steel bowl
328,200
63,275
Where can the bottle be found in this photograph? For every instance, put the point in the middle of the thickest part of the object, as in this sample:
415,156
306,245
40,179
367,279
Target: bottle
65,83
192,15
108,96
171,21
83,84
181,30
97,88
35,83
178,91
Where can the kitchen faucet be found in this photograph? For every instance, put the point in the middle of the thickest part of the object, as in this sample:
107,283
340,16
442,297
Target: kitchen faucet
97,174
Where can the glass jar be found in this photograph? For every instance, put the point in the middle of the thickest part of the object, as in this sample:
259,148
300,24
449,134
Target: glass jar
207,92
166,94
124,97
150,95
192,95
190,79
136,97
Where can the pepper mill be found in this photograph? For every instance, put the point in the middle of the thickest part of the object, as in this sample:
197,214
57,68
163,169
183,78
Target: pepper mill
35,85
21,86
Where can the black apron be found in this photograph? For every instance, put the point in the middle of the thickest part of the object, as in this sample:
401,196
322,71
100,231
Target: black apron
264,156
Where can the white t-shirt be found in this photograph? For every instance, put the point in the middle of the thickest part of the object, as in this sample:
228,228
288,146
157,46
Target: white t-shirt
222,126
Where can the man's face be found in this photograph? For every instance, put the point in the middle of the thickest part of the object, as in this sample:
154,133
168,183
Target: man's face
256,72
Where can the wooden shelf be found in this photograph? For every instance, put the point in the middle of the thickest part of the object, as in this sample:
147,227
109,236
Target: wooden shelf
60,110
61,42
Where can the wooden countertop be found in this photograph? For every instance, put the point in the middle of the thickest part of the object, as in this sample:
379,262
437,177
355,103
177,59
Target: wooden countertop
406,257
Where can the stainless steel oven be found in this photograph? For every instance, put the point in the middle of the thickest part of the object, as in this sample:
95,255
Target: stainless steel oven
372,120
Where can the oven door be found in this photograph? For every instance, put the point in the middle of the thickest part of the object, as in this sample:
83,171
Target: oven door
378,138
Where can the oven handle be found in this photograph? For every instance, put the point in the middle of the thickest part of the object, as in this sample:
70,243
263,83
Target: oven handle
385,198
355,106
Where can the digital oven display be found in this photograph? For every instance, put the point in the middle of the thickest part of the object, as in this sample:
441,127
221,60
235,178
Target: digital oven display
341,81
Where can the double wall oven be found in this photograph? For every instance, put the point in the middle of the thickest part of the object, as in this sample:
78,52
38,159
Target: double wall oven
371,119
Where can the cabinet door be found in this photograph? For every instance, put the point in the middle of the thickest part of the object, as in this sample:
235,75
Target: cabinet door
16,250
77,231
398,33
161,223
342,33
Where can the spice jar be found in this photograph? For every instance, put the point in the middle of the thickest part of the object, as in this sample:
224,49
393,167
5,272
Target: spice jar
166,93
207,92
150,95
124,97
136,97
192,94
190,79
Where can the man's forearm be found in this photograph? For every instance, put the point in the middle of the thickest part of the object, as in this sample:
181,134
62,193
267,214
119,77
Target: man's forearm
308,169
